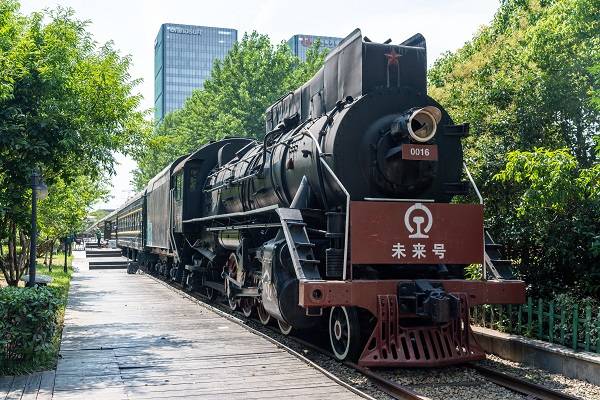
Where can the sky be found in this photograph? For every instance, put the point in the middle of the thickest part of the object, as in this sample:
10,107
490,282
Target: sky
133,24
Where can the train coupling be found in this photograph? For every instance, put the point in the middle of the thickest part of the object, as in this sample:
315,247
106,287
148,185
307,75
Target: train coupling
428,300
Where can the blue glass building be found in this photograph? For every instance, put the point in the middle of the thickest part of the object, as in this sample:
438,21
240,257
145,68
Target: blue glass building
183,60
301,43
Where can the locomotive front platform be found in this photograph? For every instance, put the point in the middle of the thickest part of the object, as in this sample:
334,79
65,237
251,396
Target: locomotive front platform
127,336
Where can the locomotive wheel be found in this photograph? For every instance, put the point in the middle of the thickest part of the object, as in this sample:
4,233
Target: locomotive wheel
263,315
284,327
344,333
247,305
233,303
210,293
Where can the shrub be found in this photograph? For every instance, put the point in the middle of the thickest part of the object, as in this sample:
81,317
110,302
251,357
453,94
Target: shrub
549,223
28,322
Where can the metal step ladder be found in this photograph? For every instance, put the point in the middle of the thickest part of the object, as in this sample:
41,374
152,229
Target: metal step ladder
301,249
496,265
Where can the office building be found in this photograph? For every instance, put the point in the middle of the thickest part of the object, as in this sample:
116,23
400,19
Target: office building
183,60
301,43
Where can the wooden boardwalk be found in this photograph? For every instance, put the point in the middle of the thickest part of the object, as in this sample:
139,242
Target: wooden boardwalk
129,337
27,387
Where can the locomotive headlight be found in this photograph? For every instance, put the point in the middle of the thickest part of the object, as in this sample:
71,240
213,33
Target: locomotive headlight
422,123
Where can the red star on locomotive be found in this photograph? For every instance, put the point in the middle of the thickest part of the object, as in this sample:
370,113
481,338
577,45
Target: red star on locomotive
341,216
392,57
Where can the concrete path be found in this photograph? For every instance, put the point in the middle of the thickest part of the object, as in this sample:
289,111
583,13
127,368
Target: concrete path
128,336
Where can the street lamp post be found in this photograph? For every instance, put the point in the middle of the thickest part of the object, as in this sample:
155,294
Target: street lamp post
65,266
38,189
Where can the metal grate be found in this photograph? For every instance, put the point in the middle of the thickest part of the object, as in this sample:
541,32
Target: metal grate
391,344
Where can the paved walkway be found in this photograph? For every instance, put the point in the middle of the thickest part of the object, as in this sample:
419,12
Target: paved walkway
128,336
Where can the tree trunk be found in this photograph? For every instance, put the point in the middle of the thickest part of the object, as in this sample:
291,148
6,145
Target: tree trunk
15,262
46,252
51,255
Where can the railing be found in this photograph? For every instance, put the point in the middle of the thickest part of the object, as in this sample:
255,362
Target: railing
574,326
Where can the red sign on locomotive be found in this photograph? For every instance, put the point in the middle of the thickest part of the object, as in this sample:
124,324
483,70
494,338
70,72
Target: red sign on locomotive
428,152
415,233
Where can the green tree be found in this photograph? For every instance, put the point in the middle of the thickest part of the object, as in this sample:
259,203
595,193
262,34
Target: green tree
526,80
65,209
552,226
65,106
251,77
527,84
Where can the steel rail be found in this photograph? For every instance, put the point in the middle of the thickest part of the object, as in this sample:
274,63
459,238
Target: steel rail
533,391
388,386
520,385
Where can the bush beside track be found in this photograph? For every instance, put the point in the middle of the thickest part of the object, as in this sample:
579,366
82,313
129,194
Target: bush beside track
31,323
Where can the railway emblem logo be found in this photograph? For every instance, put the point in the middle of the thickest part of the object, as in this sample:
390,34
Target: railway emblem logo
422,223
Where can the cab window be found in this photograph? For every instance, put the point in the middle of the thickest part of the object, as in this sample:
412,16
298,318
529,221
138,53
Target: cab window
178,187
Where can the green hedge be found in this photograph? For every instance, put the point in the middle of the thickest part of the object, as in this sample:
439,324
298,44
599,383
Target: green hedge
28,322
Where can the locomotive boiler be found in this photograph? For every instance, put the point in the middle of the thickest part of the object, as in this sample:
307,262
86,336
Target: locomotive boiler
341,216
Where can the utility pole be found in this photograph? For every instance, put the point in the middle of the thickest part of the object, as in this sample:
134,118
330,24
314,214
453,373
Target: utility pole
65,266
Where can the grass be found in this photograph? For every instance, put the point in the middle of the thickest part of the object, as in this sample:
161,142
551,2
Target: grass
60,283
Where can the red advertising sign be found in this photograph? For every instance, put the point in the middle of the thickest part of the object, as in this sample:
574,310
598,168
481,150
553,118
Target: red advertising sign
427,152
383,232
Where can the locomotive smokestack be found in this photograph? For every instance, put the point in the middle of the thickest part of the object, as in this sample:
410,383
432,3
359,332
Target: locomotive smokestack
419,123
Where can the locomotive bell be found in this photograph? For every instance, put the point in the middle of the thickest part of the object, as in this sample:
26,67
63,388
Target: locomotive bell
419,123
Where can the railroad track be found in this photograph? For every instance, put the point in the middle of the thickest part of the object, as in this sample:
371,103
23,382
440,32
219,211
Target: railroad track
530,390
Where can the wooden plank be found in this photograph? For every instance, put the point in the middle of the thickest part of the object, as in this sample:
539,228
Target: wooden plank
118,343
31,388
5,384
16,389
168,382
312,392
112,393
46,386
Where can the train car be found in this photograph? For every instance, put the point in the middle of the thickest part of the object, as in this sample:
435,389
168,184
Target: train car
344,215
109,226
130,223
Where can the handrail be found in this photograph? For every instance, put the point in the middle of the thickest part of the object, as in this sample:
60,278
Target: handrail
484,272
172,225
341,186
473,183
334,176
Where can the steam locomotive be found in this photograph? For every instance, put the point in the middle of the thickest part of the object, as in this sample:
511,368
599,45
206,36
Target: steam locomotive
341,216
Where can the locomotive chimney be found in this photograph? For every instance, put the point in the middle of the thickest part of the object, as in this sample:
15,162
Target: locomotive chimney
419,123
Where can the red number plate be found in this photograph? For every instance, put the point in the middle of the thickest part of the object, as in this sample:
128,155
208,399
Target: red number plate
427,152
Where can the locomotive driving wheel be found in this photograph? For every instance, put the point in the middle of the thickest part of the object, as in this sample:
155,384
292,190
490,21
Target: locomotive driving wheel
210,293
284,327
247,305
263,315
233,269
233,303
344,333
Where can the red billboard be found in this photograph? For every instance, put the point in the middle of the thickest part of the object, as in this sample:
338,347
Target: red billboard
384,232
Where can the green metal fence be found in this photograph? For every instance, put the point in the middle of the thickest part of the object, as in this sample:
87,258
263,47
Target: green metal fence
577,327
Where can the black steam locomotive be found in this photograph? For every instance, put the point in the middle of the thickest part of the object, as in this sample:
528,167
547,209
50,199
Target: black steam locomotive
341,215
